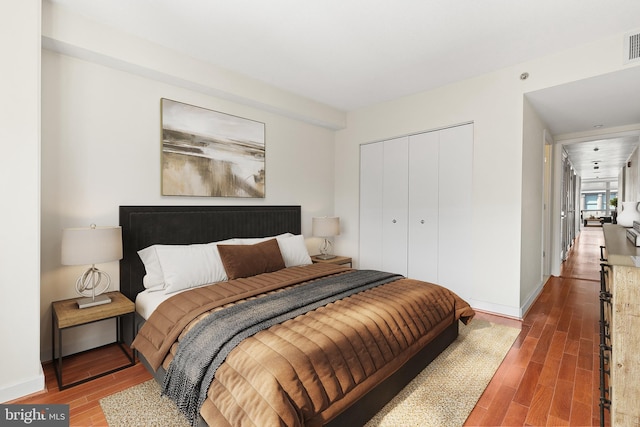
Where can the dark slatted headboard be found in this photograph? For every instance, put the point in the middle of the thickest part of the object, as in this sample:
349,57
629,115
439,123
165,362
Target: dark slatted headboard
144,226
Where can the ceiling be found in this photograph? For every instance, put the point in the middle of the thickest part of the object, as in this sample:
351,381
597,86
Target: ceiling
601,159
352,54
603,102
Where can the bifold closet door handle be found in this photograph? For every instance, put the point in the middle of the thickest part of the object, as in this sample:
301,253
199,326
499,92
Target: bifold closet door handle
422,221
393,221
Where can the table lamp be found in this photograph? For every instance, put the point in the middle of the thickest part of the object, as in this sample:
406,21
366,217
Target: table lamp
92,245
325,227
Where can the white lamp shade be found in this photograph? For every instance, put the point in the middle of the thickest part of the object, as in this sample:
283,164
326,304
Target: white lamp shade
91,245
325,226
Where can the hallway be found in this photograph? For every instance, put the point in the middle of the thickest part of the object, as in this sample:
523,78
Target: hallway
551,374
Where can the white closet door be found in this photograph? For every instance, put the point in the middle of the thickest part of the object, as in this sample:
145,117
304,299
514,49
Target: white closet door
455,202
423,206
371,176
394,215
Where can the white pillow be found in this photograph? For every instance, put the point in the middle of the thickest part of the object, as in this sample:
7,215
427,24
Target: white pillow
154,275
178,267
254,240
294,251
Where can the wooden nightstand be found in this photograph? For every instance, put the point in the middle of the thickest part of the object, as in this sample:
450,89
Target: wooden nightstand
339,260
66,314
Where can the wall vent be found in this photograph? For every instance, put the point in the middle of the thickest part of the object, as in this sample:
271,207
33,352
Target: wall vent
632,47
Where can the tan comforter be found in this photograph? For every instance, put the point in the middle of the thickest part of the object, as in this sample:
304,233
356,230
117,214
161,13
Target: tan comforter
306,370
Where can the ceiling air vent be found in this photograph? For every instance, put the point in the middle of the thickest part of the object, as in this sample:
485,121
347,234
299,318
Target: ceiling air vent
632,47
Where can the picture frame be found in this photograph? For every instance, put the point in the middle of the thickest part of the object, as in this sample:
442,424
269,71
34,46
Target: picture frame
208,153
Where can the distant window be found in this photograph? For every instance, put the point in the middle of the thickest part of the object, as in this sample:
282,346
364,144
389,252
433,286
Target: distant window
591,201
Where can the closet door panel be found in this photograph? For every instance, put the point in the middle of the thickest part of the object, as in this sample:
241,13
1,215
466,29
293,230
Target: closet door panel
423,206
455,202
371,202
395,199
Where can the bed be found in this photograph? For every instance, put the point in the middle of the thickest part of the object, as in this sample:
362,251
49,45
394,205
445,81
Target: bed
350,342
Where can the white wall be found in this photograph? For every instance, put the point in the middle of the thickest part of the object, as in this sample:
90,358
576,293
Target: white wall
494,226
20,369
101,148
495,104
67,32
531,246
632,174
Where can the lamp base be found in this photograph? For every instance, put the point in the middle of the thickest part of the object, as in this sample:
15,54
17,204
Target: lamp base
325,256
92,302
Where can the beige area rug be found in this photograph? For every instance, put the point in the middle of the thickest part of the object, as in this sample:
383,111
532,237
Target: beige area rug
446,391
443,394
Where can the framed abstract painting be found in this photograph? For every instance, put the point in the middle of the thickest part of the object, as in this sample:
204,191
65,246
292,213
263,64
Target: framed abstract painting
211,154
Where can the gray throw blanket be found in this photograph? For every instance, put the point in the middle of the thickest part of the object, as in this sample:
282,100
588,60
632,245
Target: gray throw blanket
206,346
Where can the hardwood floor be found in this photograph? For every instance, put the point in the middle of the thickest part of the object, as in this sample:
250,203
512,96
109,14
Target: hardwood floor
84,399
549,377
551,374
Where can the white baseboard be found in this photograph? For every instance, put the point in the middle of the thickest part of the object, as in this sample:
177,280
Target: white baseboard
502,310
24,388
508,311
531,299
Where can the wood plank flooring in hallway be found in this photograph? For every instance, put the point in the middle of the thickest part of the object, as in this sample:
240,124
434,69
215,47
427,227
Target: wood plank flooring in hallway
550,376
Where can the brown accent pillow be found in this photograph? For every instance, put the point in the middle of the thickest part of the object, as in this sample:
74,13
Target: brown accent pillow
249,260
